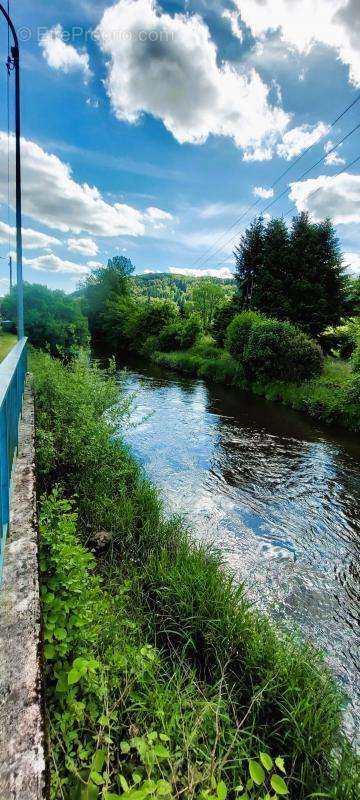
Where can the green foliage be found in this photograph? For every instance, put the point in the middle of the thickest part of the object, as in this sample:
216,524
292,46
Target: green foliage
206,297
221,684
239,330
280,351
102,289
170,337
341,340
191,330
297,277
224,314
53,319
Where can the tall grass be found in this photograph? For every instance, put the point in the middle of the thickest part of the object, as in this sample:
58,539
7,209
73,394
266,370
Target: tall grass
278,694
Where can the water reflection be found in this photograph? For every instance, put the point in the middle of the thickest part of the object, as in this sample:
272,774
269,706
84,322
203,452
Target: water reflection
280,496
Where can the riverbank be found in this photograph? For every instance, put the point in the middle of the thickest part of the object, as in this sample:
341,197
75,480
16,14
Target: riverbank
161,680
326,398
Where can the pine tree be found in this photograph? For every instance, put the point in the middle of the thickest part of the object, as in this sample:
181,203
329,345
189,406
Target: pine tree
271,284
248,259
317,284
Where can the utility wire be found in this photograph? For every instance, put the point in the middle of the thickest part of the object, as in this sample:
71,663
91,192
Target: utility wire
277,180
285,191
312,194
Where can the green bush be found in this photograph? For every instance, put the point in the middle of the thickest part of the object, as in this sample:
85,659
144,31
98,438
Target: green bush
281,351
239,331
191,330
170,337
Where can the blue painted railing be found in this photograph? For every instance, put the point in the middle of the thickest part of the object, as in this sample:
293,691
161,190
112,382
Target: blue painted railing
12,382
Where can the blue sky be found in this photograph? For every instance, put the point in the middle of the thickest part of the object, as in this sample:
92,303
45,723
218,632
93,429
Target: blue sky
149,128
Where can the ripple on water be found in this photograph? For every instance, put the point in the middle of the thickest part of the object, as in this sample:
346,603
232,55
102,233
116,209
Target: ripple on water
280,497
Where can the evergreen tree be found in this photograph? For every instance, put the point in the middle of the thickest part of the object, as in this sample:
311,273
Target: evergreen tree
248,260
317,283
271,283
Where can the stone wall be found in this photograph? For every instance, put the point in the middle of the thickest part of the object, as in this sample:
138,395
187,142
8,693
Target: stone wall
22,759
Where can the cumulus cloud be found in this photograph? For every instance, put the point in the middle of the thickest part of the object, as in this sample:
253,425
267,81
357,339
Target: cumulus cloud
352,263
62,56
32,240
234,20
298,139
335,196
86,247
332,159
301,24
55,199
223,272
264,194
167,66
157,218
53,263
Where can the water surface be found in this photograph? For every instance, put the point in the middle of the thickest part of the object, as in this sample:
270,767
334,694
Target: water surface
277,493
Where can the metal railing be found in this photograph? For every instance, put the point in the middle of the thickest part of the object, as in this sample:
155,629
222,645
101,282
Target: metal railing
12,382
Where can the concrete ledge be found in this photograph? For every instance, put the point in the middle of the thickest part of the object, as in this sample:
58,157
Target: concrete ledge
22,759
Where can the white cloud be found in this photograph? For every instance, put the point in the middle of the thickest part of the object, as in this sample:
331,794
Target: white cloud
167,66
223,272
332,159
264,194
298,139
62,56
352,263
234,19
52,263
94,264
301,24
55,199
86,247
335,196
157,218
31,239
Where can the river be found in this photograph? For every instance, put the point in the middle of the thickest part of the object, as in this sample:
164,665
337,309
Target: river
279,494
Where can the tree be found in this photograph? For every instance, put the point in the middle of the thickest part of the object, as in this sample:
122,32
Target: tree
224,314
103,287
318,284
272,280
297,277
53,319
249,260
206,297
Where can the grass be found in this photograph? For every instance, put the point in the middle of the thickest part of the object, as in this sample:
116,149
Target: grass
161,674
326,398
7,342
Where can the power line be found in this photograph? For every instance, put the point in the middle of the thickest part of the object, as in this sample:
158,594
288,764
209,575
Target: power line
314,192
277,180
285,191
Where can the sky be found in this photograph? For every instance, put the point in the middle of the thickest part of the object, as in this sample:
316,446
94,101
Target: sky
157,130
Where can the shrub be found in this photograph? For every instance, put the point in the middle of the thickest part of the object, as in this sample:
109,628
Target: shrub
192,328
170,337
281,351
239,331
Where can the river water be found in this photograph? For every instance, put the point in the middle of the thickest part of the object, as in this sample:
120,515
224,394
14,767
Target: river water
279,494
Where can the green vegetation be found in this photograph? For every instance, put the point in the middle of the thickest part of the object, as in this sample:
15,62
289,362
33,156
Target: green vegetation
7,342
296,276
161,679
53,319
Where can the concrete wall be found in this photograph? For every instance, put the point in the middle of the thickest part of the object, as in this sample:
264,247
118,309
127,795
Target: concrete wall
22,761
